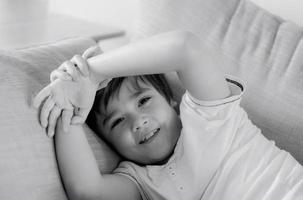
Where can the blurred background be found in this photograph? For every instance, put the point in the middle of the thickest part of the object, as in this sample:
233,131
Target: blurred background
123,12
119,14
112,12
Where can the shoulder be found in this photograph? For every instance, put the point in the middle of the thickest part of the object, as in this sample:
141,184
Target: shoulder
190,105
128,189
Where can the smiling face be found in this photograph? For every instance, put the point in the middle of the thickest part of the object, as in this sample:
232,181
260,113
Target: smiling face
140,123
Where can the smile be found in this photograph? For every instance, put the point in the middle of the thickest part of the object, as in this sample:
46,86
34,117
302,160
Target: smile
149,137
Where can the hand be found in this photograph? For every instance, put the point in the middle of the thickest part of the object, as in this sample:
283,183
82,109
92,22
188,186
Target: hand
69,70
73,97
65,95
73,70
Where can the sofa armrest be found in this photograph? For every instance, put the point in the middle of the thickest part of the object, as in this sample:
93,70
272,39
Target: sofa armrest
28,167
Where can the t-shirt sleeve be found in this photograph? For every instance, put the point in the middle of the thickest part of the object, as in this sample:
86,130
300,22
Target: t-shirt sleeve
129,170
236,87
212,126
216,109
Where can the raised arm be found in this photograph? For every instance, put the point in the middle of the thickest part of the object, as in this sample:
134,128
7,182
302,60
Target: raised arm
198,70
79,169
196,64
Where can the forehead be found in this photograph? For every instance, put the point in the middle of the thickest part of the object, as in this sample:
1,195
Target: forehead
129,88
133,85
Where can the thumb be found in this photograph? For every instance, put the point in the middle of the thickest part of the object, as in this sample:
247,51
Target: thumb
66,119
80,116
92,51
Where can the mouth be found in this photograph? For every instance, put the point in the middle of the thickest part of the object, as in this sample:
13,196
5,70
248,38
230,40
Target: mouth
150,136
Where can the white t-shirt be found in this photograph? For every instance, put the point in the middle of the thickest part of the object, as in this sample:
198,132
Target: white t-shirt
220,155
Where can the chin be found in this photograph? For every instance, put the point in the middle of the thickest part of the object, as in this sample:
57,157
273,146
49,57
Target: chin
164,153
157,158
163,156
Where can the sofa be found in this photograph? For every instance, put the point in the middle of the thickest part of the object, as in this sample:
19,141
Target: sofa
264,50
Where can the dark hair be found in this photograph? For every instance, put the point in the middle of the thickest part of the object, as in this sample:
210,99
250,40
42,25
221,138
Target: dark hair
103,96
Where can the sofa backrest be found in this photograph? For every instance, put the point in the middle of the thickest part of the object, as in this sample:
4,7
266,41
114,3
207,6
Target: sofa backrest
255,45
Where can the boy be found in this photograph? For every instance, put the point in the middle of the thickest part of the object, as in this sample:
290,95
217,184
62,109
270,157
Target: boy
212,151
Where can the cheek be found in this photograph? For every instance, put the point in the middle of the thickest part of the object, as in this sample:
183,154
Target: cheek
167,112
122,139
160,107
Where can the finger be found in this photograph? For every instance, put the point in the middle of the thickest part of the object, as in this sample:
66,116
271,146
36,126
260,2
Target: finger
104,83
80,116
72,71
92,51
81,64
45,111
60,75
66,119
45,92
63,66
52,120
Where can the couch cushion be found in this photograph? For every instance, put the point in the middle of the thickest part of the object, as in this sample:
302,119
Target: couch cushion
253,44
28,167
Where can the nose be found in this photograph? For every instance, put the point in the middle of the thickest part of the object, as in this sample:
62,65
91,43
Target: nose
140,123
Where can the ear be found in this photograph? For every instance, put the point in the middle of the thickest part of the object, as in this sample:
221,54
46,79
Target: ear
175,106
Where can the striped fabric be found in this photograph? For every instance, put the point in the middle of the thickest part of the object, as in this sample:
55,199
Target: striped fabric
262,49
28,167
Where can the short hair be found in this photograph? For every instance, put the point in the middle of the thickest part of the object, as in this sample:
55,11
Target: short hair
103,96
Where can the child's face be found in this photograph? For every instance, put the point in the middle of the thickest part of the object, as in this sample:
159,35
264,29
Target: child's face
141,124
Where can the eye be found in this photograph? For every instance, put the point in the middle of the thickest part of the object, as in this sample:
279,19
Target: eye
116,122
143,101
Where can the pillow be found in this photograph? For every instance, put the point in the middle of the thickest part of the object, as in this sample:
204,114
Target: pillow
28,167
253,44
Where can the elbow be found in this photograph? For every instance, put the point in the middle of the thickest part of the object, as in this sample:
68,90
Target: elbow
83,193
186,40
188,46
76,193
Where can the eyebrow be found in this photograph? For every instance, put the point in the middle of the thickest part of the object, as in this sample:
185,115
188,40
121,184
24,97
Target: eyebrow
132,96
107,118
138,93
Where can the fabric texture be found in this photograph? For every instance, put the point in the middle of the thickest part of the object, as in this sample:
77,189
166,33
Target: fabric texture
262,49
220,155
28,167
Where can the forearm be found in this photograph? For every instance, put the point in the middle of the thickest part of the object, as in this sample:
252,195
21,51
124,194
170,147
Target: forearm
77,164
158,54
175,51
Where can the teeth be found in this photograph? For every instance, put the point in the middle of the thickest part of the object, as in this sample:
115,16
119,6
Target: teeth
150,135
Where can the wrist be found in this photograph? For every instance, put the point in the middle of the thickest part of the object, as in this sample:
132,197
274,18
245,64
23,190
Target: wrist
94,81
99,81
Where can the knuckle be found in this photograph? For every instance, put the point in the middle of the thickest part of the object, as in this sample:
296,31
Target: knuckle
64,114
70,69
50,126
77,57
65,63
51,121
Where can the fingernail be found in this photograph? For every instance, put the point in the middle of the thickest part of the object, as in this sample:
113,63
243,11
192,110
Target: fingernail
43,124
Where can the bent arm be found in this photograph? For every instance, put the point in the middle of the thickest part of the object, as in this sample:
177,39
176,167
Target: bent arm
196,64
79,169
